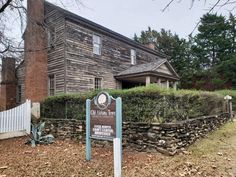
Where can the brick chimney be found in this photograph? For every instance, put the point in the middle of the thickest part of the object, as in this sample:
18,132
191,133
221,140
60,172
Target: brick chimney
35,52
150,45
8,84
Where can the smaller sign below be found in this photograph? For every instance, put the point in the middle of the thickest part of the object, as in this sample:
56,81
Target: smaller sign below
102,130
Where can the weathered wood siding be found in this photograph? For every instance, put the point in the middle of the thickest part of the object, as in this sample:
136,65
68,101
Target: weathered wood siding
20,75
82,66
164,69
71,59
55,23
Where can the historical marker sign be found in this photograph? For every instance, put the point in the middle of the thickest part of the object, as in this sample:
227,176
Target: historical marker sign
104,122
103,117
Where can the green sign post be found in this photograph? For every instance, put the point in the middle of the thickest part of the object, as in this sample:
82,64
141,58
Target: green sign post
103,120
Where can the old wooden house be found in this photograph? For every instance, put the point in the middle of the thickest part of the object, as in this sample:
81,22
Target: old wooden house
65,53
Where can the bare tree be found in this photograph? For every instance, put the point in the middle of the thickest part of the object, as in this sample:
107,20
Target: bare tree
229,4
14,11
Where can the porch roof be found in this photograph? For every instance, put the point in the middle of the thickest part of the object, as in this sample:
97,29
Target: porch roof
149,69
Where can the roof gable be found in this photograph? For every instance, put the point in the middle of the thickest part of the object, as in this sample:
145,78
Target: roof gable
161,66
163,69
166,68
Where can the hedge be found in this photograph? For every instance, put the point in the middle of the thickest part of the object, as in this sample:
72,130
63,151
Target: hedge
141,104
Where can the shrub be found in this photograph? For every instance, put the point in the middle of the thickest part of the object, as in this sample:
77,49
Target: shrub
218,83
141,104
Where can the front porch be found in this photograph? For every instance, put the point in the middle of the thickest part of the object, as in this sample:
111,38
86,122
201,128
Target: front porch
146,80
159,72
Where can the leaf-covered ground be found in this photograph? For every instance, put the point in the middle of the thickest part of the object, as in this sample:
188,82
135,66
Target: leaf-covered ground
214,156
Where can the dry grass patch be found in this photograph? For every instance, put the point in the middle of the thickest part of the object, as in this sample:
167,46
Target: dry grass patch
220,140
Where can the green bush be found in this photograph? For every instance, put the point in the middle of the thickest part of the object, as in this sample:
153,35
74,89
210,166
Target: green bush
218,83
141,104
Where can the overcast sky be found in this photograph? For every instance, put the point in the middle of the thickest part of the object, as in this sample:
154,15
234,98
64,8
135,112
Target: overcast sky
131,16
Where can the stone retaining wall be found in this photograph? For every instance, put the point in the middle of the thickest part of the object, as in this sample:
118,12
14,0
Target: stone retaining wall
168,138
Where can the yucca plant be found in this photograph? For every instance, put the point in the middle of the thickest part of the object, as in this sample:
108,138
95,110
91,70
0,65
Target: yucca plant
37,136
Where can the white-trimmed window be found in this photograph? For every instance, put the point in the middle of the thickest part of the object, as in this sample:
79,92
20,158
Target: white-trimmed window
97,44
133,56
51,84
51,37
98,83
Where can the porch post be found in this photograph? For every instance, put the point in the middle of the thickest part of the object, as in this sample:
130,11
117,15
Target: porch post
148,80
159,81
167,84
175,85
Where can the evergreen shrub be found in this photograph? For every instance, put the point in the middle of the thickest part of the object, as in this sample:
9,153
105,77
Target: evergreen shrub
141,104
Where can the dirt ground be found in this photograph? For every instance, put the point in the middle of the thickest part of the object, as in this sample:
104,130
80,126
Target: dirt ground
214,156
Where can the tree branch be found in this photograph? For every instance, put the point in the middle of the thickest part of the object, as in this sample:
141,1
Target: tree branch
18,7
214,6
5,50
5,6
167,5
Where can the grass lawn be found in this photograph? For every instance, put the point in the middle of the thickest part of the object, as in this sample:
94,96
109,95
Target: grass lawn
213,156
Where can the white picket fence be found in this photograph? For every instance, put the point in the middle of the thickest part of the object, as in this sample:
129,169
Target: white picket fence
16,122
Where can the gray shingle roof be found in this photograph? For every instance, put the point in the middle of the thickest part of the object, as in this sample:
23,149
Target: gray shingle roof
147,67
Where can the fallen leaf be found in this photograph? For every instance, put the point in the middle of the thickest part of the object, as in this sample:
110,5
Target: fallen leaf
214,167
3,167
220,153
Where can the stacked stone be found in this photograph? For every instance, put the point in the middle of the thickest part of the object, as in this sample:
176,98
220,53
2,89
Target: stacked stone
167,138
66,128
